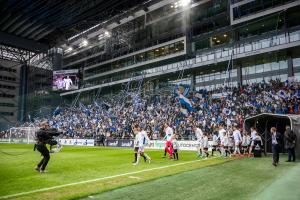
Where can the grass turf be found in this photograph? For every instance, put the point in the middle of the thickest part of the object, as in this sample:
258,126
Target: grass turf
251,178
74,164
206,179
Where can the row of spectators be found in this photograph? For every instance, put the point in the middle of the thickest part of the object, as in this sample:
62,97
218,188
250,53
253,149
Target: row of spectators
225,106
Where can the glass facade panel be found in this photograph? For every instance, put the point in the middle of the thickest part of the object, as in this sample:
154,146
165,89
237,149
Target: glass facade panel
296,62
186,81
283,64
223,75
267,67
259,69
297,76
251,70
275,66
215,76
139,58
206,78
260,72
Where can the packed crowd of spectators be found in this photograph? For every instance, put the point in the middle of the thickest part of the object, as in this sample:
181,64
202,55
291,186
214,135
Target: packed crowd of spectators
225,106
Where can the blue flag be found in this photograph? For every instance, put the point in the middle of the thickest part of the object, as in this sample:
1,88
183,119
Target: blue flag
56,111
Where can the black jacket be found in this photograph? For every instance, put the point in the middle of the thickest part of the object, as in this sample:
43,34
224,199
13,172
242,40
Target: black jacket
290,138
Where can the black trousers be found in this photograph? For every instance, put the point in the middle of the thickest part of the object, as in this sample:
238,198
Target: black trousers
101,143
275,151
292,155
46,156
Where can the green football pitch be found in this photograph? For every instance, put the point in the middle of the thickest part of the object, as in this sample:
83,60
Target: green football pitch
107,173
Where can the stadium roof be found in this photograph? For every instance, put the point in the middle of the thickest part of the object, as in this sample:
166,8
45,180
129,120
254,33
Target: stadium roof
48,23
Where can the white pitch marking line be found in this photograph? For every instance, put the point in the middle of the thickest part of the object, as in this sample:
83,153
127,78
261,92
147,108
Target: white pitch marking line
97,179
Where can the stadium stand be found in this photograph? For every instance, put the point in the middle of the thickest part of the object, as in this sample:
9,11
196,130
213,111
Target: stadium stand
222,106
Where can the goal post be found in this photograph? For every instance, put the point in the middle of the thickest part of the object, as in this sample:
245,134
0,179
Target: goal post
22,135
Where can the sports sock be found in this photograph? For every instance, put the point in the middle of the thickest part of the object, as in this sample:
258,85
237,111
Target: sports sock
135,157
143,155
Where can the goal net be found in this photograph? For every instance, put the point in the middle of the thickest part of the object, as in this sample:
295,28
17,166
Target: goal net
23,135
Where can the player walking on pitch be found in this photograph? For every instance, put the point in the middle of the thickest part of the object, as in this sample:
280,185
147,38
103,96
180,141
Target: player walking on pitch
175,146
141,139
237,140
168,137
199,136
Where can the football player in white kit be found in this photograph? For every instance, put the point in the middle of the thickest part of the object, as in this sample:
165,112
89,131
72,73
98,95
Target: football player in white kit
175,146
215,144
224,144
222,132
199,136
245,142
237,140
168,138
67,82
141,139
59,83
252,138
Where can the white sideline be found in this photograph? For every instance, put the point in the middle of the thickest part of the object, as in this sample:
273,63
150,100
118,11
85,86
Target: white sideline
97,179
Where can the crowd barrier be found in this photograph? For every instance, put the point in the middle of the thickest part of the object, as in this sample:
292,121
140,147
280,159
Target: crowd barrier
77,142
119,143
186,145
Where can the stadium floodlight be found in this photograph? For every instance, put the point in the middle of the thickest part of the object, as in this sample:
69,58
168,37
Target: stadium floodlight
185,3
103,35
85,43
107,33
176,4
68,50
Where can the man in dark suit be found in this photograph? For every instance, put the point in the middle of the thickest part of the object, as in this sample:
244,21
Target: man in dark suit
290,142
275,145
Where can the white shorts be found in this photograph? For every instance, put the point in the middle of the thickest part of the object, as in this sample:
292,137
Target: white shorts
200,144
141,149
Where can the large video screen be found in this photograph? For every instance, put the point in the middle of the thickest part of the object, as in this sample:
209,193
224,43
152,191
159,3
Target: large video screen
65,80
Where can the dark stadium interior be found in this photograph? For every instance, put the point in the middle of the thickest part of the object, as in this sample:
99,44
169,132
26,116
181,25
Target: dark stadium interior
264,123
52,22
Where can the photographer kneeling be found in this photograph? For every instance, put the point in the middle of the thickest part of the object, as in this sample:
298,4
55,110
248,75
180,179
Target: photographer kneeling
44,136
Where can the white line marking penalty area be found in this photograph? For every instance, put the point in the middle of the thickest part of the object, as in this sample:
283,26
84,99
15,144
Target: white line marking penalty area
94,180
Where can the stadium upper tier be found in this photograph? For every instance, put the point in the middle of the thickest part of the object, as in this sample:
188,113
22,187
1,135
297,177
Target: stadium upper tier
211,56
166,38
